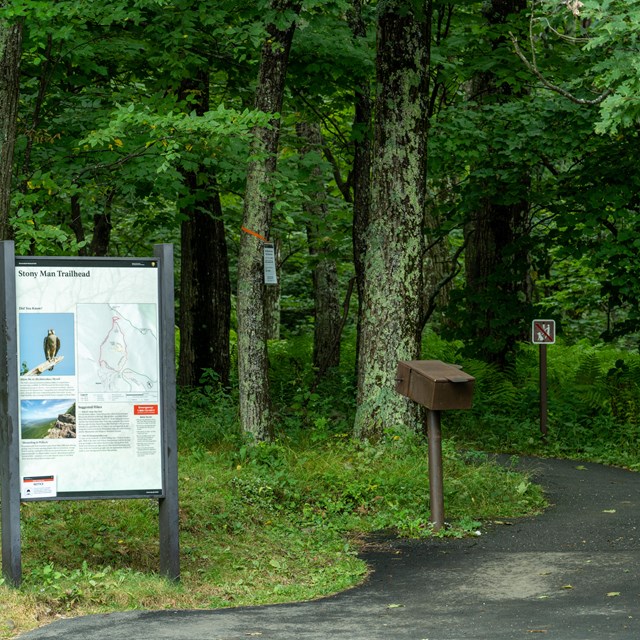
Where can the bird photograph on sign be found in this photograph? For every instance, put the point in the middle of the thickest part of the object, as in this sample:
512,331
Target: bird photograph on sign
51,346
46,344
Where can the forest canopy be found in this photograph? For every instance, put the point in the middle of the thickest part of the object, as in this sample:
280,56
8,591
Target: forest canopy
462,167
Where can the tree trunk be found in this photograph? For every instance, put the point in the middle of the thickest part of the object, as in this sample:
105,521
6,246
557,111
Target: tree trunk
361,168
496,260
392,296
252,347
205,286
10,54
205,289
327,311
102,228
76,224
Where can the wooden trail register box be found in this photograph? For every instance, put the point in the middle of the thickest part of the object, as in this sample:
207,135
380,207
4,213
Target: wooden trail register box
435,384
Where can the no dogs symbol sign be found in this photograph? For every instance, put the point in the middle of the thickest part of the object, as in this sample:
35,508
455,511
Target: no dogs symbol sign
543,332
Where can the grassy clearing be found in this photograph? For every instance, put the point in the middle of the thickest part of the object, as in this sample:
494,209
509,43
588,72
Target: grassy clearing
263,524
284,521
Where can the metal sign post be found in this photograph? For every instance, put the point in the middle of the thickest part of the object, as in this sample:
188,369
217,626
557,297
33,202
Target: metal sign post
436,487
9,430
543,332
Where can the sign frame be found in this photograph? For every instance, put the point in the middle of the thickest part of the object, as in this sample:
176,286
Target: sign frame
166,476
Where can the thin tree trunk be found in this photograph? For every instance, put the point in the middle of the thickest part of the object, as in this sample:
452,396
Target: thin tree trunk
10,55
496,258
253,362
76,223
392,297
361,169
205,286
205,289
327,311
102,228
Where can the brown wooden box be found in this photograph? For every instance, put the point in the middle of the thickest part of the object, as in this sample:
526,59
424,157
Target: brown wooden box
435,384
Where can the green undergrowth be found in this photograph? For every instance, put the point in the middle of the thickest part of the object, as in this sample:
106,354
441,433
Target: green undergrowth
284,521
260,523
593,407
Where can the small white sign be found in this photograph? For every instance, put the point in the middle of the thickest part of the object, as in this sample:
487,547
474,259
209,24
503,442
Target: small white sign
543,332
270,273
38,487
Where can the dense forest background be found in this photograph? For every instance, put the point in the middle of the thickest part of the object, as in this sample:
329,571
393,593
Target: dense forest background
451,168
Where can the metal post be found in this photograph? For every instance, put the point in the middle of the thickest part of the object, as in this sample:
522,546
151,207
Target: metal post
9,426
543,390
436,494
168,516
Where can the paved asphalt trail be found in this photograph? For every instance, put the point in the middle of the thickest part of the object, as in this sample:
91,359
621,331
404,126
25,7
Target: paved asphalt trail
572,573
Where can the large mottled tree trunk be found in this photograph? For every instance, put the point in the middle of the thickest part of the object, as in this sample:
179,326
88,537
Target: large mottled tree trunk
252,347
205,287
392,296
10,54
496,258
327,312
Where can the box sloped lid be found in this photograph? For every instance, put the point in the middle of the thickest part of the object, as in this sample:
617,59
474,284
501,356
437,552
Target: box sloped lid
439,371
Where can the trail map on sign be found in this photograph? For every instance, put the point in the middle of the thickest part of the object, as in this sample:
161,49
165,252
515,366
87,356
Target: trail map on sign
115,342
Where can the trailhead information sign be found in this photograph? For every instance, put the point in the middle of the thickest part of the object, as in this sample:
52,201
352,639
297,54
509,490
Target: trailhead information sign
89,378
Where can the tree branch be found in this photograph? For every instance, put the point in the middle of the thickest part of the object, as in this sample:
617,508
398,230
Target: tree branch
343,185
430,306
533,68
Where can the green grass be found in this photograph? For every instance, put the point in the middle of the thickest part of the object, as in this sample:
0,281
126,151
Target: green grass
258,524
284,521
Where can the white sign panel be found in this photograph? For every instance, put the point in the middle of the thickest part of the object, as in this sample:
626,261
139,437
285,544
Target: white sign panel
269,262
89,384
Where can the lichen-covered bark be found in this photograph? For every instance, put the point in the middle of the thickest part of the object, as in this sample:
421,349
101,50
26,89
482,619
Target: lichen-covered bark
391,305
252,347
326,331
10,54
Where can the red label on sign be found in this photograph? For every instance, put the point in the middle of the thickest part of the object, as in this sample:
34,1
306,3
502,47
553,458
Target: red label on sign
38,479
145,409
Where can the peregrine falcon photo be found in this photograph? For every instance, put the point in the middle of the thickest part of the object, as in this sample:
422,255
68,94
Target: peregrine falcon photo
51,345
